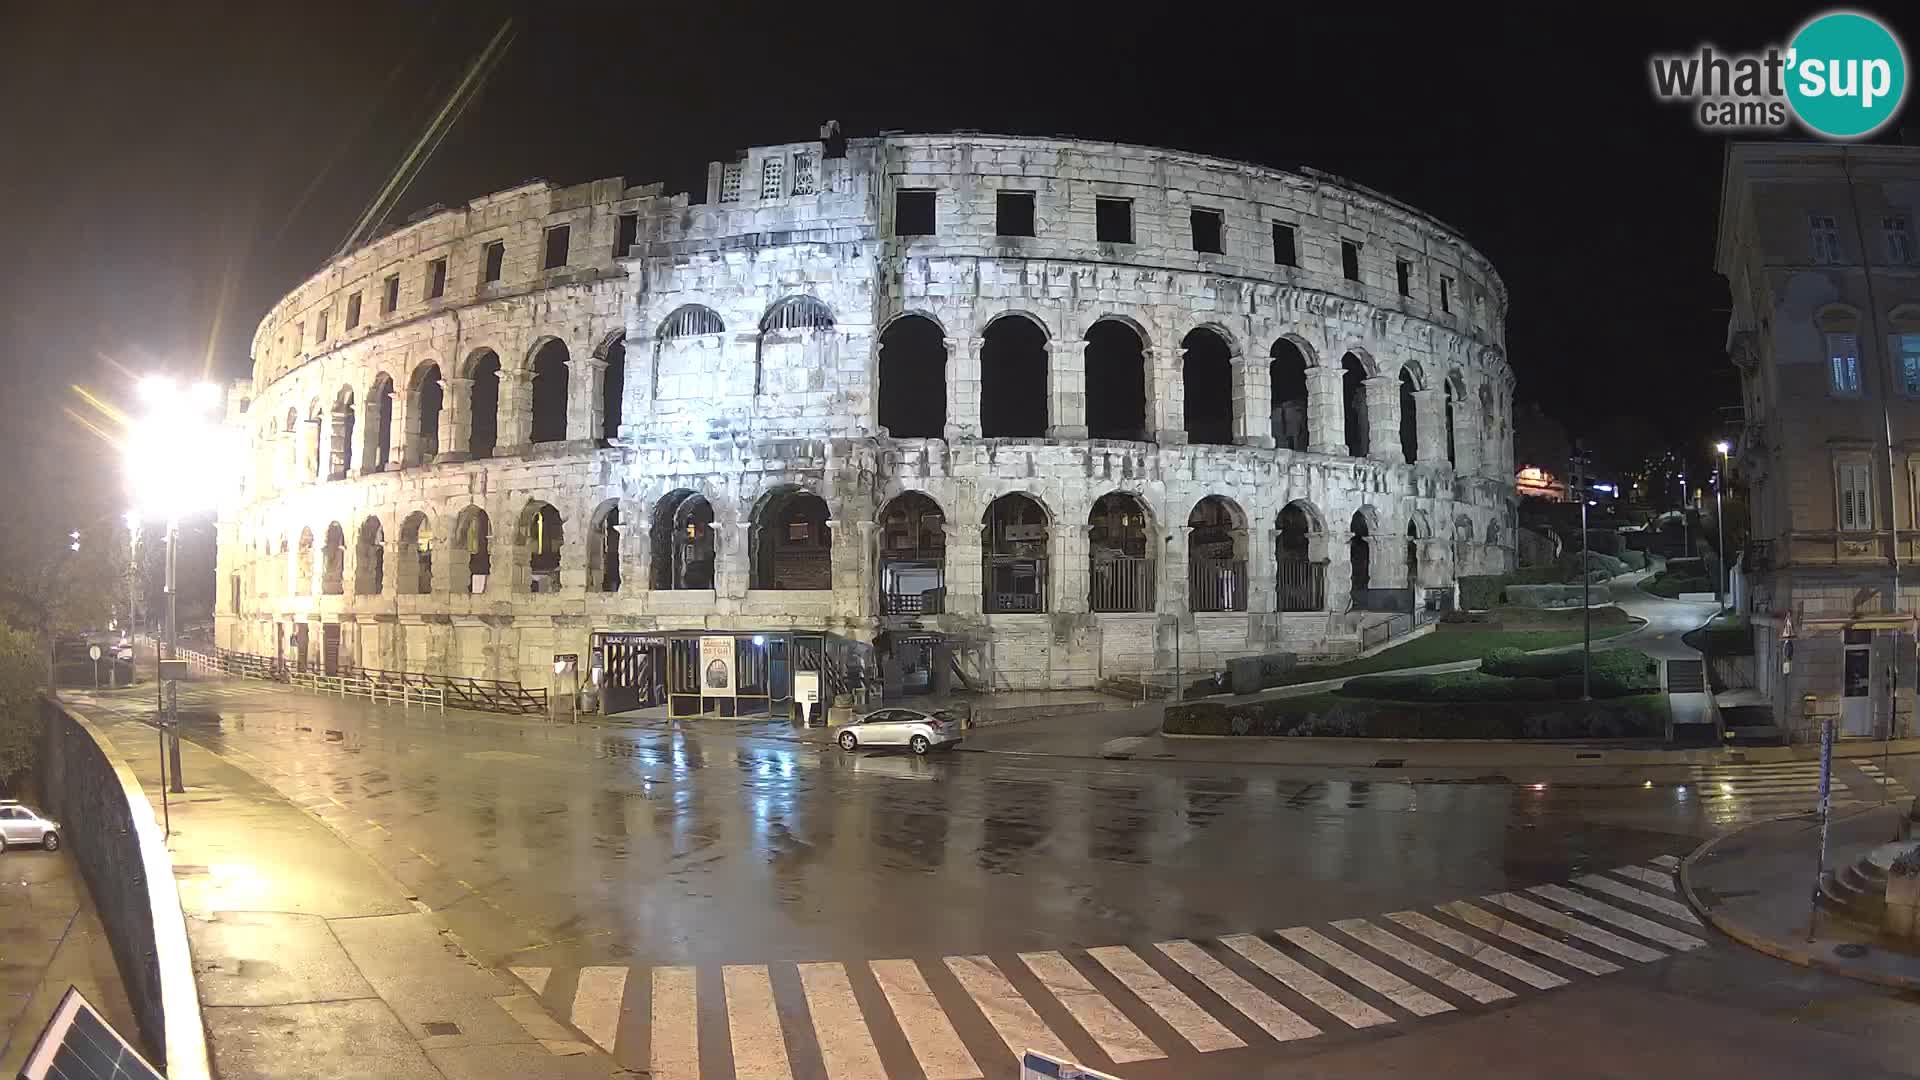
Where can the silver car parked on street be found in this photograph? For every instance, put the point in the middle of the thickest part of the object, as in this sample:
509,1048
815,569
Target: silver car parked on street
21,826
917,731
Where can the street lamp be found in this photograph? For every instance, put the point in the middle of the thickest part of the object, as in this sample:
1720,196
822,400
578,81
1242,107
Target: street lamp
1720,521
1582,459
174,454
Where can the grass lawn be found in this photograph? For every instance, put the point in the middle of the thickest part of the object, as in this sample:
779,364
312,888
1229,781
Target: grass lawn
1639,716
1445,645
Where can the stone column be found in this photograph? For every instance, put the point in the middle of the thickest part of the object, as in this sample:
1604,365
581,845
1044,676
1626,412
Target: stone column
1466,437
390,569
962,573
731,573
586,397
1067,567
336,430
400,422
1383,420
1252,402
636,557
516,413
1430,425
1067,390
456,420
1492,454
1262,543
853,545
313,448
963,388
1175,594
1326,413
1166,396
289,459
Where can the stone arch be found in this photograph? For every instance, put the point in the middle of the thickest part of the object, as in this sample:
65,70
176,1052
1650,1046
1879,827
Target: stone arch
426,396
604,528
1206,379
377,451
413,572
676,342
1216,555
317,445
1289,360
1493,532
472,551
1354,373
1455,387
613,384
1121,543
1409,415
690,320
303,569
682,541
1360,535
340,448
1463,528
1301,548
796,335
333,561
1116,380
789,540
913,377
548,363
913,555
370,558
1837,318
482,369
1417,530
1013,377
293,419
540,537
1015,535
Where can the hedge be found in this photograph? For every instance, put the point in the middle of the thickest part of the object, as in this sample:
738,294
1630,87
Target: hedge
1547,596
1478,592
1614,672
1323,715
1449,686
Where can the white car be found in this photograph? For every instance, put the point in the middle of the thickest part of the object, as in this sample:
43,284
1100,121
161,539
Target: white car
911,728
21,826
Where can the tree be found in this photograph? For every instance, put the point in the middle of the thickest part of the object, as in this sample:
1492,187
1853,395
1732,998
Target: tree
21,672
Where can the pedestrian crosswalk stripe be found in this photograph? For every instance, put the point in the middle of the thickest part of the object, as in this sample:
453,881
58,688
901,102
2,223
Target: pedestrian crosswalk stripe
1474,949
1565,923
596,1004
1655,878
1422,961
1118,1038
1019,1026
1308,984
1508,930
846,1046
1667,861
1187,1019
1625,920
1645,899
534,977
1366,972
1274,1018
759,1049
929,1033
675,1042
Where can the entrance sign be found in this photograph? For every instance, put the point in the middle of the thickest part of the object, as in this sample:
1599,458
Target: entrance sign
716,666
806,688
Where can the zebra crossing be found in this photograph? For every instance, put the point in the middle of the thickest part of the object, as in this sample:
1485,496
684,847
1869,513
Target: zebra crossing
1735,794
970,1017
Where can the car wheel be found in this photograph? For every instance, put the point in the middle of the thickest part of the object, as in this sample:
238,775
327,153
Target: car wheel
51,841
848,741
920,745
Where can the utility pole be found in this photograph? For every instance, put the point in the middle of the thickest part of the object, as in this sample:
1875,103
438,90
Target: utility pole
172,652
1582,458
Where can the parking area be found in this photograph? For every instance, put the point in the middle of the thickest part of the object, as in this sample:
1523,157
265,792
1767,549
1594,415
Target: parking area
50,938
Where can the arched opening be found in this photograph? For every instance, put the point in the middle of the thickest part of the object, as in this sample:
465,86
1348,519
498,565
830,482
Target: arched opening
1302,578
1014,544
426,395
549,393
790,543
613,385
1414,536
1409,418
1360,554
414,574
303,568
333,561
1490,433
281,572
1116,382
678,346
317,445
342,446
1451,459
793,333
603,549
370,559
473,538
913,556
913,378
1493,532
1120,551
1013,379
1206,378
484,430
682,540
378,451
1353,393
1287,374
540,536
1216,556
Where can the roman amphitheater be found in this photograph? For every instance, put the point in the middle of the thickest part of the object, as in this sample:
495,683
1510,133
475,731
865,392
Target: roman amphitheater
914,412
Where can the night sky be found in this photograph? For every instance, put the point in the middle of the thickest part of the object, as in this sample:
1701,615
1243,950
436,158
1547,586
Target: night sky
168,171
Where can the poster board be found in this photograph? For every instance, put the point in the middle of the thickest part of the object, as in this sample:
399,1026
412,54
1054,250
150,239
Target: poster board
716,666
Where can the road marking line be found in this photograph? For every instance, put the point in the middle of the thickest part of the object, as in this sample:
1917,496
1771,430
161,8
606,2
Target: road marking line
759,1049
1424,962
1366,972
846,1046
1561,921
674,1048
1187,1019
1274,1018
938,1047
1625,920
1667,861
1645,899
1119,1039
1652,877
596,1004
1507,930
1308,984
534,977
1019,1026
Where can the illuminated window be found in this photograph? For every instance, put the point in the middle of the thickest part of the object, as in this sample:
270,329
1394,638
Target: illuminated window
1856,496
1843,364
1823,238
1910,363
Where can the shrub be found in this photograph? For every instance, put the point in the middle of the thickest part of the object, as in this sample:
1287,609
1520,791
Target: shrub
1604,541
1481,591
1448,686
1633,560
1466,616
1348,717
1541,596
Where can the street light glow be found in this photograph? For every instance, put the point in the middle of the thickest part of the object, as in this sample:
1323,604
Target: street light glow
1723,446
177,453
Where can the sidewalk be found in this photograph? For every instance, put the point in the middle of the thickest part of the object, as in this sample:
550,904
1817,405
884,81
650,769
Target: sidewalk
311,961
51,938
1756,886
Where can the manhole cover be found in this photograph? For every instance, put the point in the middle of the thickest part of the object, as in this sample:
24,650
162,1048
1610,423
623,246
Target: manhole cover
1850,951
442,1027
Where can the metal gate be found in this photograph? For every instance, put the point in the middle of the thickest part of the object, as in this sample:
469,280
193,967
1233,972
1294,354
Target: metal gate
330,648
633,671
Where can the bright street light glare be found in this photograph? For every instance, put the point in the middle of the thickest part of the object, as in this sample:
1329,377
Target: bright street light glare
177,457
1723,446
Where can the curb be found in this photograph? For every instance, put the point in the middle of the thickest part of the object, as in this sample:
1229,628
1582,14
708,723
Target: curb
1793,953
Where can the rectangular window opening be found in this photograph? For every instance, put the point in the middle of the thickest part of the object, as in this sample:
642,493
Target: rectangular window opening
1403,272
353,311
437,279
559,237
1899,240
1013,213
1283,249
627,236
1910,363
1350,259
1113,221
913,212
1823,238
496,259
730,181
320,326
1856,496
1206,231
773,173
1843,364
390,295
1446,295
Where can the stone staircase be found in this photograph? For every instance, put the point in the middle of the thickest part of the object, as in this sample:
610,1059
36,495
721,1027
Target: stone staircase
1857,891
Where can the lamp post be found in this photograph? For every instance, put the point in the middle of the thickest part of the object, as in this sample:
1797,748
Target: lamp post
1720,522
1581,458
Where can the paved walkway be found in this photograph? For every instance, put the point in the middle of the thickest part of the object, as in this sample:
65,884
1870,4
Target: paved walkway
312,961
50,939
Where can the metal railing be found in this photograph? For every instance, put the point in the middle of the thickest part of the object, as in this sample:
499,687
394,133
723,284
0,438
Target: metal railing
1217,585
1120,583
485,695
929,602
1301,585
406,687
1385,631
1010,568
